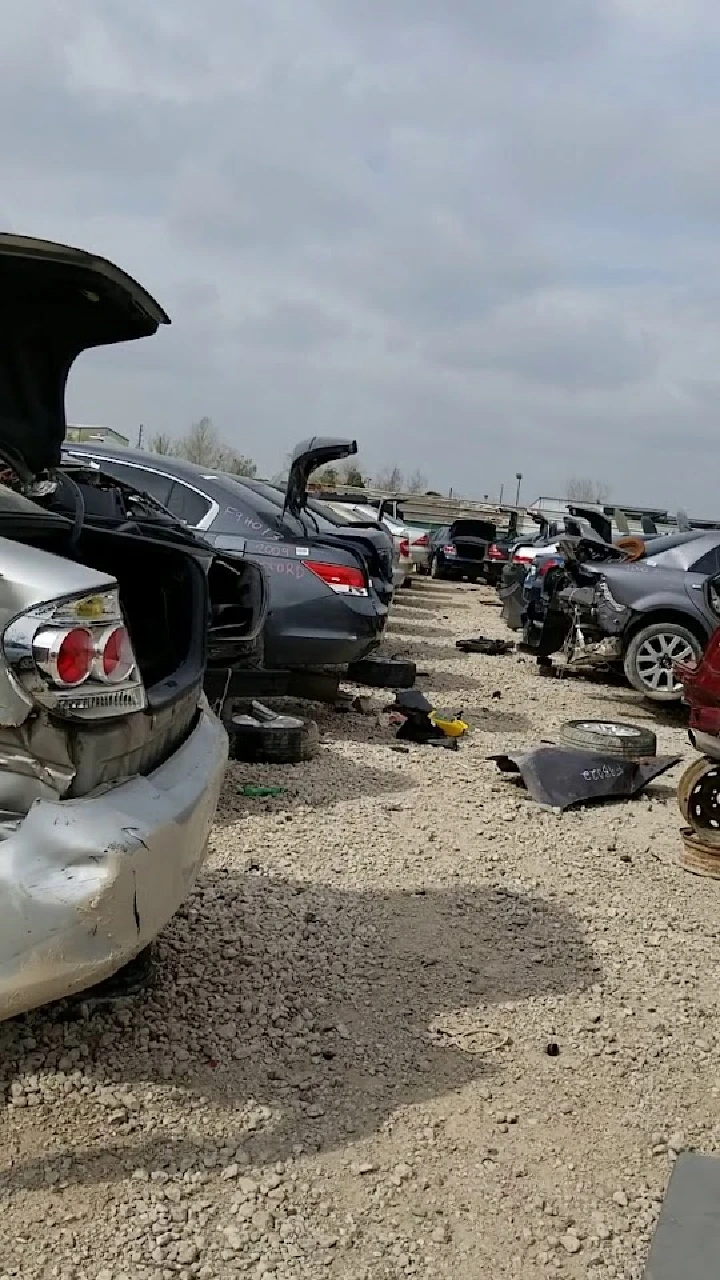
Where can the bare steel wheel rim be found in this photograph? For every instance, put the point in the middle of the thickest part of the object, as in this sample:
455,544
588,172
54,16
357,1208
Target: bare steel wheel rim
704,801
656,659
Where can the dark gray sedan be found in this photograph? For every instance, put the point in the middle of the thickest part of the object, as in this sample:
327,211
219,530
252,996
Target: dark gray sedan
329,588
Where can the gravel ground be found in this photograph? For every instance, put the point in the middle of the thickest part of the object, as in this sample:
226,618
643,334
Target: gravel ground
342,1066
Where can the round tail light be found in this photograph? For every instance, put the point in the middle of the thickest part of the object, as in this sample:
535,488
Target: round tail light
116,657
73,656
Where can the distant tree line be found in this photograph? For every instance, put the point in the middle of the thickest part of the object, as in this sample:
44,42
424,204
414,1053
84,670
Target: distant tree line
203,446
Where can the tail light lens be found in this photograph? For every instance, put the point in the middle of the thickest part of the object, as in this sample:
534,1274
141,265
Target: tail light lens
546,565
340,578
405,547
450,550
494,553
74,656
518,559
422,541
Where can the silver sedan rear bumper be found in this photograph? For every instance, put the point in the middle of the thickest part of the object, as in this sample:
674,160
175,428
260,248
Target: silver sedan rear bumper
86,884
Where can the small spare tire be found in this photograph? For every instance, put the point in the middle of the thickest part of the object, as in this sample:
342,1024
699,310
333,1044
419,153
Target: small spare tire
383,673
609,738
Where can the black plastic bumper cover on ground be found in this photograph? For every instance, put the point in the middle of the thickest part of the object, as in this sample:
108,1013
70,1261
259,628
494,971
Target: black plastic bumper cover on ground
561,777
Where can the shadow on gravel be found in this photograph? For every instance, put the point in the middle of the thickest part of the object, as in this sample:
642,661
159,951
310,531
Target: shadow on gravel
441,681
422,652
316,1010
306,784
406,626
495,720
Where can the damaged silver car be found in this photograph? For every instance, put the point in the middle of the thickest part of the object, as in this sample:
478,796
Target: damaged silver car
110,760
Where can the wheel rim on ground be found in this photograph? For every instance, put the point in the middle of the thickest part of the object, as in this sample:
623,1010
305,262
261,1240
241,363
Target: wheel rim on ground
687,782
704,800
656,659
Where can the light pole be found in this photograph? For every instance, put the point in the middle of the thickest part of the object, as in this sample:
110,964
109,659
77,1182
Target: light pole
518,477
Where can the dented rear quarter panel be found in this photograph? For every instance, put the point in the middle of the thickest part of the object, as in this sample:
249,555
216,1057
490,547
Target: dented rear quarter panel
86,884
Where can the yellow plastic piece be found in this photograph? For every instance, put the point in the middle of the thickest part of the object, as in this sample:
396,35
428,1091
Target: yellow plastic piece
451,728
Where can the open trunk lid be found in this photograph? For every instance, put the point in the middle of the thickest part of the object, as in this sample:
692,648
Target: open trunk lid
57,302
307,456
472,537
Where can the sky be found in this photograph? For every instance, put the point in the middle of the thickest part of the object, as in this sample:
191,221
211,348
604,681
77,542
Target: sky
478,236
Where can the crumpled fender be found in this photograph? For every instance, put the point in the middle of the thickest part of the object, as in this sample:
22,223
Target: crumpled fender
561,777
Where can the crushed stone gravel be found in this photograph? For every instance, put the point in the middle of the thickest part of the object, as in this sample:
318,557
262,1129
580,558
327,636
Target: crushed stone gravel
408,1024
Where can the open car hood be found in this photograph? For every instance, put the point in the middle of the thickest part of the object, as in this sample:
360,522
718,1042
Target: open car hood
57,302
307,456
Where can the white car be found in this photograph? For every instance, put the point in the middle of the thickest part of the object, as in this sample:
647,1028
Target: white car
398,532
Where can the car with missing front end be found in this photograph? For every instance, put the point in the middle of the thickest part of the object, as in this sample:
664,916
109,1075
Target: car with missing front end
644,617
111,760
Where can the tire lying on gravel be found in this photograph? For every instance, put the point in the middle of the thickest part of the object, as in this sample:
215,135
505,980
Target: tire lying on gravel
609,738
261,735
383,673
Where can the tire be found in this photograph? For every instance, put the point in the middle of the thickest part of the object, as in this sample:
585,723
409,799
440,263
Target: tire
667,642
271,738
383,673
609,738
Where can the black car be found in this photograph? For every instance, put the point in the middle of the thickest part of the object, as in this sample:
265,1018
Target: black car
329,589
460,550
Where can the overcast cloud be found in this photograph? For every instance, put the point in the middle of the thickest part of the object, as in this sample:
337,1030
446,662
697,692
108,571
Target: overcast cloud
482,236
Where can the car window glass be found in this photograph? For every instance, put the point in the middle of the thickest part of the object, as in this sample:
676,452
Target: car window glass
158,486
709,563
187,504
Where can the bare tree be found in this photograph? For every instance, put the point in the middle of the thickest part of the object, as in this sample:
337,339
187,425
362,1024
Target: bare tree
585,489
203,446
161,442
391,478
416,483
234,463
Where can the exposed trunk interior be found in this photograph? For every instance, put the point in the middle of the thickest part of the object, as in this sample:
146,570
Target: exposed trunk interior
163,591
471,538
163,595
470,548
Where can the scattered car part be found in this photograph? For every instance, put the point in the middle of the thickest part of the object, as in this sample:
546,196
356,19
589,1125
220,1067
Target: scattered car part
261,734
686,785
609,737
481,644
452,726
562,777
700,853
383,673
699,796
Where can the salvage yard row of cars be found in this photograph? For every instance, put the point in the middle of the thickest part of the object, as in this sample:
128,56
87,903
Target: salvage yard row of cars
126,581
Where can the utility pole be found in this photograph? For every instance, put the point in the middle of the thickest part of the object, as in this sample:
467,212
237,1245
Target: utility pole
502,490
518,477
141,432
